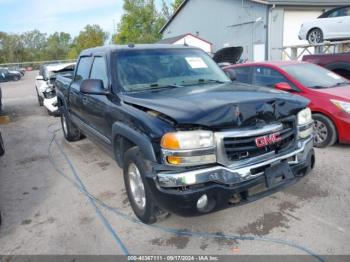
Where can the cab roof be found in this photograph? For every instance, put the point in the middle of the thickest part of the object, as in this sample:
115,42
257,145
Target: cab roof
115,48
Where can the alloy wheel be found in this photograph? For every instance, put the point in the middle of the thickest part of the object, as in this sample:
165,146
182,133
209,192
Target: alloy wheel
136,186
315,37
321,132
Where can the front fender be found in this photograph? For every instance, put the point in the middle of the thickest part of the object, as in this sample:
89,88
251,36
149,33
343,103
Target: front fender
139,139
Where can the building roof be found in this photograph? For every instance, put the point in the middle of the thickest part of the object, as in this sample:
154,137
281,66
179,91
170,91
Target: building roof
174,15
174,39
324,3
171,40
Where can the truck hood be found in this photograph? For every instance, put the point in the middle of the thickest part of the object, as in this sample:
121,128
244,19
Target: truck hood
219,105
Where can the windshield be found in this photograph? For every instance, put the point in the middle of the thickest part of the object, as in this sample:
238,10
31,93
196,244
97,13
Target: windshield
141,70
313,76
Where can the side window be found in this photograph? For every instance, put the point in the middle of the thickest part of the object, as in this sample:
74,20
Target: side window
264,76
340,12
83,69
243,74
99,70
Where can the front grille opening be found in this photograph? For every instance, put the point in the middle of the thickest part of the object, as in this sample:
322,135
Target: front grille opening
240,148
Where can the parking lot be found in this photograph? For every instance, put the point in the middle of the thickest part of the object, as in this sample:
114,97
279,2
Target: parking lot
46,210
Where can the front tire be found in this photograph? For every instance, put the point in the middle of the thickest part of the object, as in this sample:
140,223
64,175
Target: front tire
315,36
70,131
138,191
325,131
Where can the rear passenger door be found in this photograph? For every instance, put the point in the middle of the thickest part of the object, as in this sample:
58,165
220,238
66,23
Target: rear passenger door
95,106
75,96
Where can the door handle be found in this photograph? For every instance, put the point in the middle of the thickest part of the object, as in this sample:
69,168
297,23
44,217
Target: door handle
85,100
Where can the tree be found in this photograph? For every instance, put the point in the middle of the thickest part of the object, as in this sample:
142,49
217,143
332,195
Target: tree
57,46
176,4
140,23
91,36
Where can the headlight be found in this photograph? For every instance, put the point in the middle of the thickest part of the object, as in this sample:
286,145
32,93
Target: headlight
304,117
305,123
188,148
345,106
187,140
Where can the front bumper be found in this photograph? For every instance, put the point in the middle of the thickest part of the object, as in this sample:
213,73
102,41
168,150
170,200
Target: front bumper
343,125
51,104
225,186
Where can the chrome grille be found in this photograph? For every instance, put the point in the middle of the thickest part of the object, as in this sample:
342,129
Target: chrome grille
244,147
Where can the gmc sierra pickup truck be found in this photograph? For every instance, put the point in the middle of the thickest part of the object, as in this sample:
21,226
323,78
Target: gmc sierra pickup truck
190,140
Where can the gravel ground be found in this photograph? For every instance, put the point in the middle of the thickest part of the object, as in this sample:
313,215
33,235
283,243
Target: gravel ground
44,213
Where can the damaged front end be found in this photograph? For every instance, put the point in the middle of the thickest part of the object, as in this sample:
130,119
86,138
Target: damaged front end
50,100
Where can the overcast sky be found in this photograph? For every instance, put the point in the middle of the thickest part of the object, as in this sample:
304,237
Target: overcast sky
17,16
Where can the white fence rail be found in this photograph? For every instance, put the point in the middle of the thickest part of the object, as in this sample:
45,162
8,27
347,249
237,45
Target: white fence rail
296,52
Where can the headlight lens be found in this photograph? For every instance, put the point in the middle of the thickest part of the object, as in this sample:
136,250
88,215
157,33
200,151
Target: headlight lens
188,148
188,140
305,123
304,117
345,106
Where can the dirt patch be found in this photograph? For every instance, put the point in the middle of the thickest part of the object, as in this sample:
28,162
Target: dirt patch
86,148
176,241
306,190
222,240
203,245
29,160
125,198
26,222
85,220
104,165
265,224
106,195
180,242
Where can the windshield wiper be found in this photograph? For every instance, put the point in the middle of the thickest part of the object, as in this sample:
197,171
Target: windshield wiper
324,87
204,81
340,84
317,87
157,87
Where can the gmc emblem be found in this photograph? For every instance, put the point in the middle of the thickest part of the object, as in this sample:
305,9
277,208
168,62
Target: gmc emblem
267,140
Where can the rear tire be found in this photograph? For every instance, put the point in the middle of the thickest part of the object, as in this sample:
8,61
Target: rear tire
70,131
325,131
137,188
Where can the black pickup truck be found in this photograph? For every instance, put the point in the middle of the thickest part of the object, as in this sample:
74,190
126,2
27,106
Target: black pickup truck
190,140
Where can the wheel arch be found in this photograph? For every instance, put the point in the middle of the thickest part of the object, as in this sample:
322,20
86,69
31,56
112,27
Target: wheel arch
330,118
125,137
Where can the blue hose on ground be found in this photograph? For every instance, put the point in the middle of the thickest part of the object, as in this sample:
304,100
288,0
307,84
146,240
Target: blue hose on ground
79,184
81,187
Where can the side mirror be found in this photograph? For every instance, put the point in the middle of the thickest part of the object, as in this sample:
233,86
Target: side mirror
93,87
231,73
284,87
39,78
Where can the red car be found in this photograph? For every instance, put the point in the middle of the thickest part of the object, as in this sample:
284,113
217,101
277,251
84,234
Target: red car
328,92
